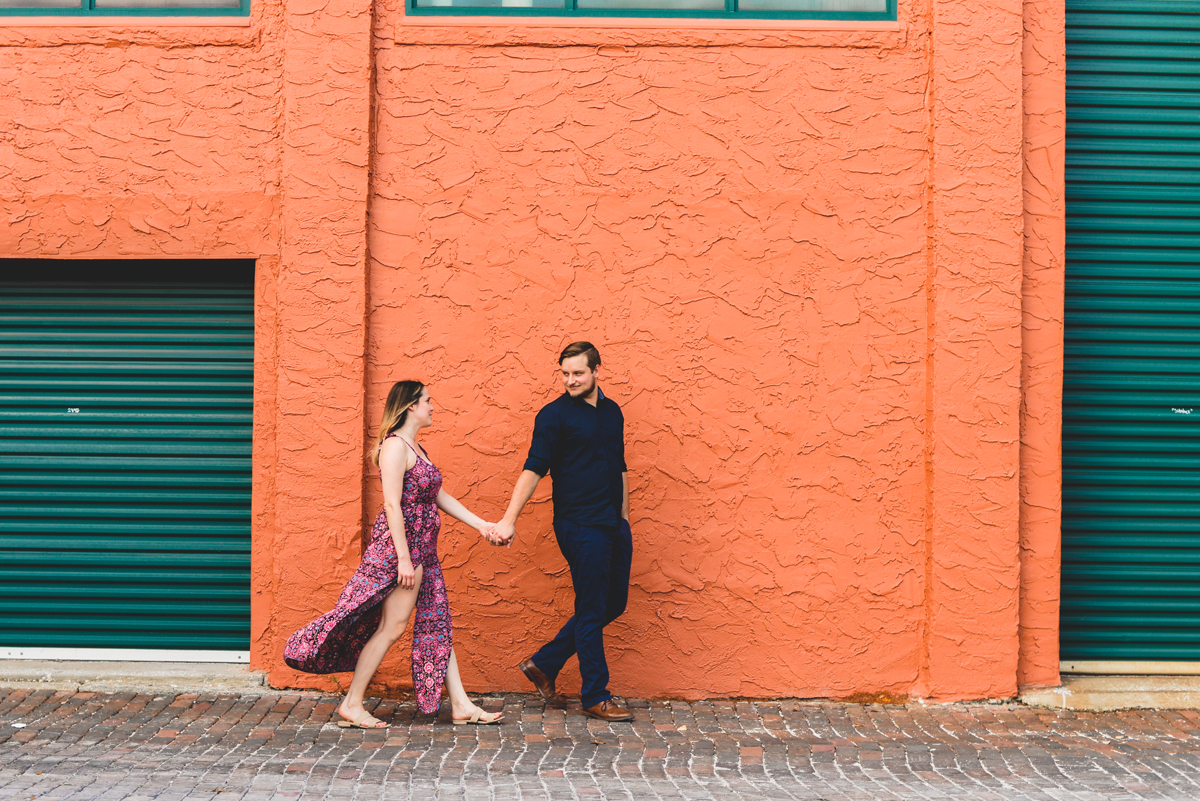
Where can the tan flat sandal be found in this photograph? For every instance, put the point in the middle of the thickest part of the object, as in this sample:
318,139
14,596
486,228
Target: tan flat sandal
360,722
477,719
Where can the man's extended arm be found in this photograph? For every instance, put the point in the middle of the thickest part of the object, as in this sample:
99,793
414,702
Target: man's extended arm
527,482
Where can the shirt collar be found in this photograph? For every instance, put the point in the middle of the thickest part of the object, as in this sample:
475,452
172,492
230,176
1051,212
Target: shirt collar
600,396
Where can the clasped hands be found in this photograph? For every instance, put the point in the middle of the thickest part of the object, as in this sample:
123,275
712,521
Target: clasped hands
498,533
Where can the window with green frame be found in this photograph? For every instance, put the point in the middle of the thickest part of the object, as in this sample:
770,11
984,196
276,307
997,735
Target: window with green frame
712,9
124,8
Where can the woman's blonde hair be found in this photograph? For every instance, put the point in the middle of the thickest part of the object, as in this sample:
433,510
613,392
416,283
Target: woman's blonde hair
403,396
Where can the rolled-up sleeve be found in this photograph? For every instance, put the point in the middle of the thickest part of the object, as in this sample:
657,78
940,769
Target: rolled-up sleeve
545,438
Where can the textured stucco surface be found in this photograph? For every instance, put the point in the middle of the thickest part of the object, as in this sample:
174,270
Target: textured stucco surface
773,244
320,313
1042,339
974,347
822,266
731,236
134,144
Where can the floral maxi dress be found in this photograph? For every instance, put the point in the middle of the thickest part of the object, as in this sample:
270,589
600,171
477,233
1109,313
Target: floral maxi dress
333,642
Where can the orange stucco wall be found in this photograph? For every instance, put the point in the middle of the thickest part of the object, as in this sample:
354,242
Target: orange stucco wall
824,268
1044,56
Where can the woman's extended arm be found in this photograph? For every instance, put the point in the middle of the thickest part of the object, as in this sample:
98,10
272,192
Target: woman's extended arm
453,507
394,461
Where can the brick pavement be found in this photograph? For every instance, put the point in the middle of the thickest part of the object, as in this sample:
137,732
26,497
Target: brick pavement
259,747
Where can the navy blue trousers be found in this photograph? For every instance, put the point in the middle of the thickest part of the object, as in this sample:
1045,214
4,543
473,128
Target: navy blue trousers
599,558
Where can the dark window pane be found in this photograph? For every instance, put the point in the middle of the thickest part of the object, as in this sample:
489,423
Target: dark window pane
39,4
657,5
877,6
489,3
232,4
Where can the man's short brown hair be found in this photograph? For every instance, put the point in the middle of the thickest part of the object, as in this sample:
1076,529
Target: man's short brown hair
582,349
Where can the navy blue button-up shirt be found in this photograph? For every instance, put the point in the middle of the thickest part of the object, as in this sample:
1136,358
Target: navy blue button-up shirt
582,447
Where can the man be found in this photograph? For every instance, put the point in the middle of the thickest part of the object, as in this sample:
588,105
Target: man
579,439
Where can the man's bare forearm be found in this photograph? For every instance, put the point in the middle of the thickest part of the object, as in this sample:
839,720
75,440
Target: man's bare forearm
523,490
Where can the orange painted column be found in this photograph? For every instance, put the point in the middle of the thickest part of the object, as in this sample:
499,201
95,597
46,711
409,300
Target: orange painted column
321,295
974,349
263,506
1042,339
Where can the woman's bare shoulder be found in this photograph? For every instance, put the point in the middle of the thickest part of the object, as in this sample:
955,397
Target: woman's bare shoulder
394,454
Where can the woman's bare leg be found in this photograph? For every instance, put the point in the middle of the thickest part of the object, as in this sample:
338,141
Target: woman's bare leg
397,609
461,707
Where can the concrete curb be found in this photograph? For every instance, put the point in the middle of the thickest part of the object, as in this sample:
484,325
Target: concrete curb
1112,693
173,677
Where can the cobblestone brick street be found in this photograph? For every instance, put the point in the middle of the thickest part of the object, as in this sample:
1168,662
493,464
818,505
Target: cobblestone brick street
130,746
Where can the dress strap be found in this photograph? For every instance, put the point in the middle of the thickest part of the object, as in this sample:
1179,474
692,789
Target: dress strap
416,453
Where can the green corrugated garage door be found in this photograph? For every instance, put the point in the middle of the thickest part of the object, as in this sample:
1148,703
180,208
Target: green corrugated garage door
125,423
1131,437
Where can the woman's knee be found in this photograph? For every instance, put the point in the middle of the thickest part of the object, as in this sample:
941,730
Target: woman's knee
391,631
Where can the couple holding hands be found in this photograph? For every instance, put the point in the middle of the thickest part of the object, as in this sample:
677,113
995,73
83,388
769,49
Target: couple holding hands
578,439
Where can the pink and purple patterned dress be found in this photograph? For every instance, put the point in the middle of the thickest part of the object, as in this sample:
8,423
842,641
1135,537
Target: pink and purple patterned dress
332,642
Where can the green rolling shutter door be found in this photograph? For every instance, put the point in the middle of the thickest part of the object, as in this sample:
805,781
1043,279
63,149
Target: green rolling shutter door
1131,413
125,422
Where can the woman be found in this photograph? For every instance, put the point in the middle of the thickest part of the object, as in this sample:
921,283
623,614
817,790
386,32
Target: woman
399,572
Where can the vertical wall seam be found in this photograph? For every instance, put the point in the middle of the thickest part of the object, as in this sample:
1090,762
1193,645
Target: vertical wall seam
924,676
372,127
1021,260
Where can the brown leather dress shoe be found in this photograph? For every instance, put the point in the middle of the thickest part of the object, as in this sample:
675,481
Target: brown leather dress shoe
608,710
543,683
